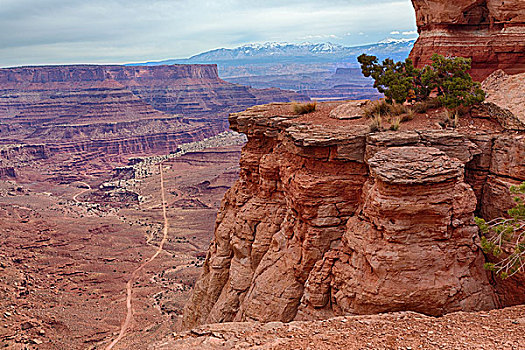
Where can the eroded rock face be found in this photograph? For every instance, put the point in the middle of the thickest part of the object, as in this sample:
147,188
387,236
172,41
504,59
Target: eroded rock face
327,219
413,246
490,32
506,91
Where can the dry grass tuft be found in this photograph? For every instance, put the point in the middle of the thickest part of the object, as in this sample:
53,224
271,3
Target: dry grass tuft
382,108
423,106
376,108
408,116
394,126
304,108
376,124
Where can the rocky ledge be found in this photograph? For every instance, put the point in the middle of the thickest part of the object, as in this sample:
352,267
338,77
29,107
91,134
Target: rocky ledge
329,219
497,329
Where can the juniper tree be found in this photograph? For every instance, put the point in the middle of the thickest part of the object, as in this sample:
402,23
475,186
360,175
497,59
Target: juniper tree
504,238
447,77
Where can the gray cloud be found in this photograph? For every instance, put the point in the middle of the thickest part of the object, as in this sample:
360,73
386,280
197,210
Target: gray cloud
117,31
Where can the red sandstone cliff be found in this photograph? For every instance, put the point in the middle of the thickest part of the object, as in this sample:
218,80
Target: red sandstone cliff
327,219
491,32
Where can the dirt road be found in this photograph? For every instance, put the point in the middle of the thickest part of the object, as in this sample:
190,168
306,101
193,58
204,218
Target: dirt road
129,285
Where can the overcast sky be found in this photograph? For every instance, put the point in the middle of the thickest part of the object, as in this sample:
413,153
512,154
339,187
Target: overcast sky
120,31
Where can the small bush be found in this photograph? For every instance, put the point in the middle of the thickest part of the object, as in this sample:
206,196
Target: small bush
447,77
504,238
304,108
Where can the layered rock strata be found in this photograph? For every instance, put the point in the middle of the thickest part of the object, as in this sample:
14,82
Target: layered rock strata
119,109
191,90
491,32
328,219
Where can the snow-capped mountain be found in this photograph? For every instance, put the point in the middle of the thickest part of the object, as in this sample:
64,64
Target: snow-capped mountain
270,49
304,52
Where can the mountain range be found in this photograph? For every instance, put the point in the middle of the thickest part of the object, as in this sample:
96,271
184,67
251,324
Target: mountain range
321,71
272,52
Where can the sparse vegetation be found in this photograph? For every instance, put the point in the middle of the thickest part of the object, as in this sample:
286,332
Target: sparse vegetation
397,80
304,108
424,106
504,238
447,78
383,108
409,115
376,108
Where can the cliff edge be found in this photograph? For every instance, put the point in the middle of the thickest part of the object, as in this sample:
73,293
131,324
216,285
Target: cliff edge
330,219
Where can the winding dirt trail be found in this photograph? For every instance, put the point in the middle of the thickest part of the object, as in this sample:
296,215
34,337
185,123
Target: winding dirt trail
75,197
129,286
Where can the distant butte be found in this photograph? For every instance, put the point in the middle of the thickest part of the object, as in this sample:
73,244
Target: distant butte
491,32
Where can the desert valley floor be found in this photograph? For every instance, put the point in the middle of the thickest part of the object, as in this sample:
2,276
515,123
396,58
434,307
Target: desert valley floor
69,249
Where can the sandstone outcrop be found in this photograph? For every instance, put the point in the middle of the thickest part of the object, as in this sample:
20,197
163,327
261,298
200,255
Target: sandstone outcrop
349,110
490,32
327,219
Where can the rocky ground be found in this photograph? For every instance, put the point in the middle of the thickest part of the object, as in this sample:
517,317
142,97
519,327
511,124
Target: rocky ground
493,330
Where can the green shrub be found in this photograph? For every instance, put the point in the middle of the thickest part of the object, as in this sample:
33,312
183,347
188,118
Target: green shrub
397,80
454,85
304,108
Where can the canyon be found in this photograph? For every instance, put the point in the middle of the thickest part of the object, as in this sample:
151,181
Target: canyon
488,31
118,109
80,148
72,237
324,233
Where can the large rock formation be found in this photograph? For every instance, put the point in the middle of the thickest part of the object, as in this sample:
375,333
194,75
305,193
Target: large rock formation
491,32
328,219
